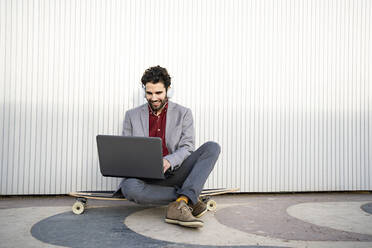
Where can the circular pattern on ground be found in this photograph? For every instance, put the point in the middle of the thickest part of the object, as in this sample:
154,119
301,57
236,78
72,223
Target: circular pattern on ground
229,227
367,207
300,224
243,224
342,216
103,227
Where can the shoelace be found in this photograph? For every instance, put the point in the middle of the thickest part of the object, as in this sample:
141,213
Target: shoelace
183,206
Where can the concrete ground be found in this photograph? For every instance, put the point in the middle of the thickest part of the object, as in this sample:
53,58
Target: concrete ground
242,220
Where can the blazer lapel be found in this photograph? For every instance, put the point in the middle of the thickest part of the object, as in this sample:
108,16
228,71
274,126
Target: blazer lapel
145,120
169,123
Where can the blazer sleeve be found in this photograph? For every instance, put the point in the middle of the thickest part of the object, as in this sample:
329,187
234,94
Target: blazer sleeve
127,125
186,144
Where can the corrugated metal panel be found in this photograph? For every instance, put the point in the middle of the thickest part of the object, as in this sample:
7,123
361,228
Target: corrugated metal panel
283,86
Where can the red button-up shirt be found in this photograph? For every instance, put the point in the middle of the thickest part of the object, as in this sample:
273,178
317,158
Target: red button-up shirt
157,126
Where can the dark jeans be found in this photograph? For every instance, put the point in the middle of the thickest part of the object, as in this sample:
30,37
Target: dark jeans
188,180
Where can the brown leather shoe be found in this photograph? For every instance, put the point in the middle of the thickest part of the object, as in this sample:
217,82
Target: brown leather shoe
179,213
199,209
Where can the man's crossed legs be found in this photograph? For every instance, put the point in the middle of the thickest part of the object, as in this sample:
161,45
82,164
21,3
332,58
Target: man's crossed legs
181,187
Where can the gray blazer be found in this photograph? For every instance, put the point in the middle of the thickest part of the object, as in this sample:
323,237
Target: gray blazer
179,131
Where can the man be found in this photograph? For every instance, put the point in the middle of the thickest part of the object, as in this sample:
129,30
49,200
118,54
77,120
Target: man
185,170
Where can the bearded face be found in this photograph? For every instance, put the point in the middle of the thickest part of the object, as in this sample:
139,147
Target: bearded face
156,95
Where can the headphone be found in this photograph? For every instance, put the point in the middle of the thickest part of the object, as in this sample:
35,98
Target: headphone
170,91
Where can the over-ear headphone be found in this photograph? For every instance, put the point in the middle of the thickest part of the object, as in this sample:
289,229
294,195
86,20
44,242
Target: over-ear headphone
170,91
143,91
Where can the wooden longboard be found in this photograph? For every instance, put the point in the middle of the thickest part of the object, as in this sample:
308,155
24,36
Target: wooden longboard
83,196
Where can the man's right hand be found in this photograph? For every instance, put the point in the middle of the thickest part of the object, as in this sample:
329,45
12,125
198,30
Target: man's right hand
166,165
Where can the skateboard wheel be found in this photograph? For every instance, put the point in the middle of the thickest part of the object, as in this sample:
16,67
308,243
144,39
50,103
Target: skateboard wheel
78,207
211,205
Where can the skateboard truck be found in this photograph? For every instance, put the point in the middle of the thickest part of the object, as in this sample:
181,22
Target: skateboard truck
80,205
211,204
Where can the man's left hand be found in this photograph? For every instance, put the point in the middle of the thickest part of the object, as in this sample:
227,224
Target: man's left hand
166,165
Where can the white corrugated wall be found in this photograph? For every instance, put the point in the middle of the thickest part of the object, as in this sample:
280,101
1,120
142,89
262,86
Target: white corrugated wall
284,87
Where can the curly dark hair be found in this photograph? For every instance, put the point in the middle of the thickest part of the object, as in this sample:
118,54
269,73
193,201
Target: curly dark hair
156,74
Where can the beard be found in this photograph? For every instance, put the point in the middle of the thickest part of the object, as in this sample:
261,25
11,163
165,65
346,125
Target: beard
157,105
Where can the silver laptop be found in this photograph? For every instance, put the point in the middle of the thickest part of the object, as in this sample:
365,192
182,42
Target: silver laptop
123,156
